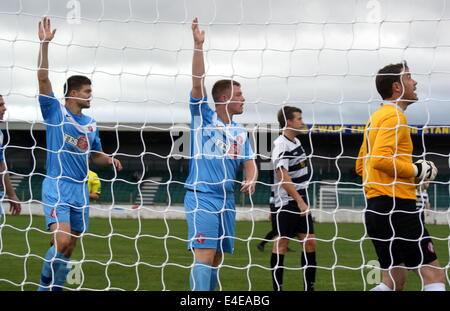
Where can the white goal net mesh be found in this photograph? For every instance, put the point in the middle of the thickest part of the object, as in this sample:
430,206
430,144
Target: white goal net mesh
321,56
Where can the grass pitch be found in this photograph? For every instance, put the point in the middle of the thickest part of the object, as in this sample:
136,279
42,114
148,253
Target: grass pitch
133,254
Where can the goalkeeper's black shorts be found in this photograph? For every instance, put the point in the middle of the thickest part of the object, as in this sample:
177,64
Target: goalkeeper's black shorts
287,222
399,237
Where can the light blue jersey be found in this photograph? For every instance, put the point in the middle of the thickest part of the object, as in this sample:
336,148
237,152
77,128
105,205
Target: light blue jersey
217,150
70,138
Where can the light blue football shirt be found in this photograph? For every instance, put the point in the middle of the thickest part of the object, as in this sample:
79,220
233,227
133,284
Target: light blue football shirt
70,138
216,149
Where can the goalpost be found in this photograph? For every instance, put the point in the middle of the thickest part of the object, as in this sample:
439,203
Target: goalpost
319,55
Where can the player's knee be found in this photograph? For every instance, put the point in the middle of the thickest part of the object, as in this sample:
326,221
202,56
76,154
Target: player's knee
63,243
310,246
280,246
437,275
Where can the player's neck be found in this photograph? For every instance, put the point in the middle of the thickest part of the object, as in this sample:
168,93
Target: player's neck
226,117
400,103
290,134
73,107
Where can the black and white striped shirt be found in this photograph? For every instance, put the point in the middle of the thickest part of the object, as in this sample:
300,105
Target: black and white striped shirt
291,156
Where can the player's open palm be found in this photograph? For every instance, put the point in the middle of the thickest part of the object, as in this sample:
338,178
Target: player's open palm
45,32
199,35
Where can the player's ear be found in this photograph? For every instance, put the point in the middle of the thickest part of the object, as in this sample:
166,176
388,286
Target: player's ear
397,87
73,93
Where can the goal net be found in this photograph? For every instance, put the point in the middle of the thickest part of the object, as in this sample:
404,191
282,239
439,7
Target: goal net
321,56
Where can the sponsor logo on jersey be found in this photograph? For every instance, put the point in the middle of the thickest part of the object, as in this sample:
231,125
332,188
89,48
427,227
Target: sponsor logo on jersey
221,145
81,142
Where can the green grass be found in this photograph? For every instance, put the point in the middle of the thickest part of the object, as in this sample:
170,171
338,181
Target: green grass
110,261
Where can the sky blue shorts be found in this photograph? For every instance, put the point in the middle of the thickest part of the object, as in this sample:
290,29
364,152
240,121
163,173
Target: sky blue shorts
211,221
65,201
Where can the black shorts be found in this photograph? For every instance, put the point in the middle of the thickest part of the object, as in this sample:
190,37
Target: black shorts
410,244
287,222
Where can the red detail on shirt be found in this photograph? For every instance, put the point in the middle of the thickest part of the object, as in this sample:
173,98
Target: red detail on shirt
82,143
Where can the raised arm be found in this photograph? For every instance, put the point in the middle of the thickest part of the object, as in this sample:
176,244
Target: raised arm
198,63
45,36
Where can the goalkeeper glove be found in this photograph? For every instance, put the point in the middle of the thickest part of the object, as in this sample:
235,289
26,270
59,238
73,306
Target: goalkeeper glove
425,170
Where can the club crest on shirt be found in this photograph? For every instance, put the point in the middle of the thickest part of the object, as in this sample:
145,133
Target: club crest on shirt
81,142
234,151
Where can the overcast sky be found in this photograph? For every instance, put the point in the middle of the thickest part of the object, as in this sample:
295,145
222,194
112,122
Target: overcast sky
318,55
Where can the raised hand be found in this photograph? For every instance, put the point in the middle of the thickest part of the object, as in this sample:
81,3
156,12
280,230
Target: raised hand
199,35
45,32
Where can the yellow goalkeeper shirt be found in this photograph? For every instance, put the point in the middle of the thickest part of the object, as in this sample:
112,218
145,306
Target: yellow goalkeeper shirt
94,184
385,157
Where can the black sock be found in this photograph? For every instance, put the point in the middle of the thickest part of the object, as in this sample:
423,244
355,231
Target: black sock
309,274
277,274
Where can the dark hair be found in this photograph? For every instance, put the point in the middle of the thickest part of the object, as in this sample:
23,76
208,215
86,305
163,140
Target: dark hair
286,113
386,76
75,83
221,87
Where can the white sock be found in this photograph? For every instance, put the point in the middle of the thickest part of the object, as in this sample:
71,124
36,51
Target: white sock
437,287
381,288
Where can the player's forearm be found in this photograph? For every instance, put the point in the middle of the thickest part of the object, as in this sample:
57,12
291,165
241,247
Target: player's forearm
393,166
9,189
251,172
100,158
198,71
288,185
43,62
